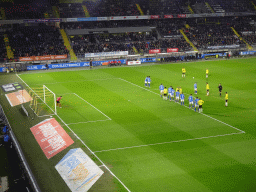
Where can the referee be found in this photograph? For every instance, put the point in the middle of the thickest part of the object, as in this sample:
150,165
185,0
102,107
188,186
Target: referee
220,89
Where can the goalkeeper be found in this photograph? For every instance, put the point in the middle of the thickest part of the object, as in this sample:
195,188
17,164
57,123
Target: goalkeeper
58,101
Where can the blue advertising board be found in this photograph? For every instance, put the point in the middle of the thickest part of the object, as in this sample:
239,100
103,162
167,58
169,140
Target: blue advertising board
147,60
247,53
2,69
212,54
58,66
87,19
70,65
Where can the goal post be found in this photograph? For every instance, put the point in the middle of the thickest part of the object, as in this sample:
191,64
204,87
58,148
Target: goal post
43,101
49,98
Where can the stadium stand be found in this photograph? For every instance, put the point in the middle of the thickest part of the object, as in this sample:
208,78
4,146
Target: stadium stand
111,8
222,6
25,11
3,53
67,10
203,36
36,41
246,30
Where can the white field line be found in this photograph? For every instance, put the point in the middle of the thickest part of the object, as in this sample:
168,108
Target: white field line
167,142
92,106
77,81
184,106
84,144
88,122
8,100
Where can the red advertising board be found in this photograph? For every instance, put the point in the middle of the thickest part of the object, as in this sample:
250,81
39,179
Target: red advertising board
154,16
168,16
154,51
51,137
172,50
42,58
181,15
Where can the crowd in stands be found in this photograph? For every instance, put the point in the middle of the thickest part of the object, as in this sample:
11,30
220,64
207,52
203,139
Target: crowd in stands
167,28
142,42
69,10
25,11
106,8
231,6
203,36
246,30
36,41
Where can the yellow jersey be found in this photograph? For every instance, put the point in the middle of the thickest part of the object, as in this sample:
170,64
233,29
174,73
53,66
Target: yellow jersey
177,89
226,96
207,86
165,91
200,102
180,89
207,71
183,70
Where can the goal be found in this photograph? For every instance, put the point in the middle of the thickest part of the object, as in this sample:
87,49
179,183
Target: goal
43,101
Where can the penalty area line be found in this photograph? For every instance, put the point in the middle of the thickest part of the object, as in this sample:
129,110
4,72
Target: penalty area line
168,142
93,106
88,122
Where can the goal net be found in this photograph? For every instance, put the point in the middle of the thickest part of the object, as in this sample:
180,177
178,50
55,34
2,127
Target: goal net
43,101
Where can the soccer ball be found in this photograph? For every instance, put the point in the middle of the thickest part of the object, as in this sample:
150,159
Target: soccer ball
193,77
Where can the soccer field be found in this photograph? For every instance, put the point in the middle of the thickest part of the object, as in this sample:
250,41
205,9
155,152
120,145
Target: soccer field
151,144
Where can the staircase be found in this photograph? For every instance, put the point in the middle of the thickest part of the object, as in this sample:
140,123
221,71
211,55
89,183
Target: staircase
56,12
3,13
190,9
241,39
186,38
68,46
86,12
140,10
135,50
10,54
209,7
253,5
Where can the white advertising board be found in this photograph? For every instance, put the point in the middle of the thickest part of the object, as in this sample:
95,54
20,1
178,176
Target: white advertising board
133,62
78,170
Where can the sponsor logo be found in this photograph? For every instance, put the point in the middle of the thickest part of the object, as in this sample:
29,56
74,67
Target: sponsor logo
153,51
172,50
154,16
168,16
41,58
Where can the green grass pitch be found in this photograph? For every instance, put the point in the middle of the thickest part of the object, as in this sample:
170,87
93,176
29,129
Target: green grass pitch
155,145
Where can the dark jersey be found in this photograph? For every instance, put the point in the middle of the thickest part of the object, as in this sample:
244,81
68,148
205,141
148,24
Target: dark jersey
220,87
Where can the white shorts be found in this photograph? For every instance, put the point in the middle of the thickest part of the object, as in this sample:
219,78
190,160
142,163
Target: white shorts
182,100
146,82
169,94
191,103
172,95
196,105
177,98
162,92
195,89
